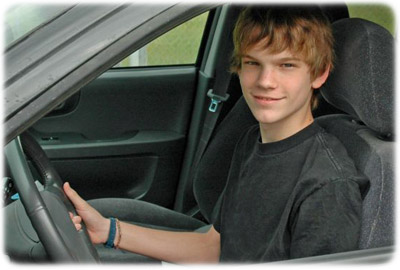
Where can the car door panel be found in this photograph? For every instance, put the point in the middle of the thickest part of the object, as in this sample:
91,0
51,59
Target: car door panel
126,134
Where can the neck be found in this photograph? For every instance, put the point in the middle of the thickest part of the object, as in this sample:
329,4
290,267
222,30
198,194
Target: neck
279,131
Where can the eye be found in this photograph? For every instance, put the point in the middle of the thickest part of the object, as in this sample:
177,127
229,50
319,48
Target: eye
287,65
251,63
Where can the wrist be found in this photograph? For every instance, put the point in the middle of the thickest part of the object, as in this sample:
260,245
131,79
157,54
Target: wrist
114,234
105,230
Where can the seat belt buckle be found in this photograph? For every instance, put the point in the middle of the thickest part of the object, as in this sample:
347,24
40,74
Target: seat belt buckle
215,100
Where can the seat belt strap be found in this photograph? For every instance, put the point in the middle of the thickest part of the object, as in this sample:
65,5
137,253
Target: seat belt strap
218,95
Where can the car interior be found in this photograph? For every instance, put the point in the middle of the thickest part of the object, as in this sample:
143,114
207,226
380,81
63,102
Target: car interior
128,140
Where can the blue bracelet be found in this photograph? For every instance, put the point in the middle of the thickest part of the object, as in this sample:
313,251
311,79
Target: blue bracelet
111,234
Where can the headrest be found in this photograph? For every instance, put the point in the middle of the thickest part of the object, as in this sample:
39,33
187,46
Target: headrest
362,83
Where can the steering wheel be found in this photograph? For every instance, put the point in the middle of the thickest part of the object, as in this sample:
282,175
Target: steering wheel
47,209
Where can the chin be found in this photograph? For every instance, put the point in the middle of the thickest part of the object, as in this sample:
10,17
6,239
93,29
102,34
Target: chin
263,115
262,119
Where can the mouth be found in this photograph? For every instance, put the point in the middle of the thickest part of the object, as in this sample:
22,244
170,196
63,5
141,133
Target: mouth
267,100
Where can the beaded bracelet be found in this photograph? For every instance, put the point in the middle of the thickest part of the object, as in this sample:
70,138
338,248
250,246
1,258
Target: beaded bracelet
119,234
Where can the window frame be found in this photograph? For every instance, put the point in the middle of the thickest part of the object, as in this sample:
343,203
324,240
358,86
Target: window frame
200,53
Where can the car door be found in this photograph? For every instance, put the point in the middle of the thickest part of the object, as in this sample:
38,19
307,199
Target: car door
124,134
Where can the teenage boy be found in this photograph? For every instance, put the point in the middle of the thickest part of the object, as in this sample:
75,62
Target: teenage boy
292,190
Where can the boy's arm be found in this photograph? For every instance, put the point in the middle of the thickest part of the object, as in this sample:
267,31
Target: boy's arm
328,221
178,247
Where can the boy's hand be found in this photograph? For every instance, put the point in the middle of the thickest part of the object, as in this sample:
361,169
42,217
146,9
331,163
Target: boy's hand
97,226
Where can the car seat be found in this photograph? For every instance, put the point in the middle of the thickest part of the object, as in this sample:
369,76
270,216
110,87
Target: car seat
362,85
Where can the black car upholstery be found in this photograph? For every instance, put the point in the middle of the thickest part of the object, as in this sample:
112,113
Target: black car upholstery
362,85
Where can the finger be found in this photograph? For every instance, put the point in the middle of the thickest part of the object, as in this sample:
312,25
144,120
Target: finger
77,219
78,227
77,201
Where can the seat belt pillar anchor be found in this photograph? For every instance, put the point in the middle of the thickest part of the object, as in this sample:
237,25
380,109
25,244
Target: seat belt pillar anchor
215,100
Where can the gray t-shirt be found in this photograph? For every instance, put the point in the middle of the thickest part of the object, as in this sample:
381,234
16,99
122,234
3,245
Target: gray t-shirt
298,197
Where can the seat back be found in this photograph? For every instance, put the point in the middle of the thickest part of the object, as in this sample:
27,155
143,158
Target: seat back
212,172
362,86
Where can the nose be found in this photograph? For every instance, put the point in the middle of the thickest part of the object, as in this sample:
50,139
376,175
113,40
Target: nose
267,78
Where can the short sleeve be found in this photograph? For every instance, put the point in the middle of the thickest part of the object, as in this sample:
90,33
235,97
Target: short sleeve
328,221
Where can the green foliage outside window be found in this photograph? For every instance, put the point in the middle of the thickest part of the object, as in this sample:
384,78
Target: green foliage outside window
179,46
377,13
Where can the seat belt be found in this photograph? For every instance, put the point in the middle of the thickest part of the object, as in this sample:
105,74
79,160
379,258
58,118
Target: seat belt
218,95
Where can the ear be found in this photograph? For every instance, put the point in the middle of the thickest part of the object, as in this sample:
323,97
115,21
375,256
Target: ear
239,71
321,79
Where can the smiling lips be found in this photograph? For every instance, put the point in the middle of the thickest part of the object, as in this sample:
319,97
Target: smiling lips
266,100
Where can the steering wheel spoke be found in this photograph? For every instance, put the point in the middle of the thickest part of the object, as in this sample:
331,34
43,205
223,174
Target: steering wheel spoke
48,209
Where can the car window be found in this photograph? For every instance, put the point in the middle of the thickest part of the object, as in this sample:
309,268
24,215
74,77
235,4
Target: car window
179,46
377,13
23,18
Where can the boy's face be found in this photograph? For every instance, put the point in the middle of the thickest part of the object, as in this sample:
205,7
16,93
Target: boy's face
277,87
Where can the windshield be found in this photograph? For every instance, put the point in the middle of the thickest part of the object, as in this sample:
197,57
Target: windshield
21,19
